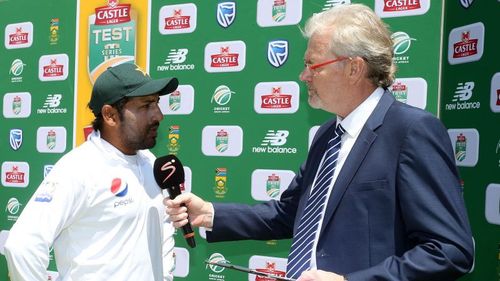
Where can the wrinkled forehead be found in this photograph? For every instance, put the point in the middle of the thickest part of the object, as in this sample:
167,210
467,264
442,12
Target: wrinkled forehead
318,45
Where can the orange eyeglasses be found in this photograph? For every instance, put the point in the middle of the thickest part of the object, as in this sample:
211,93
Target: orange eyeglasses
321,64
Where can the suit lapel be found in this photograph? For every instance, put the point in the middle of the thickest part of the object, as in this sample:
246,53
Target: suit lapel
358,152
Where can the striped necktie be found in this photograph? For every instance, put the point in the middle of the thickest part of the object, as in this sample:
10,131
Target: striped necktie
299,258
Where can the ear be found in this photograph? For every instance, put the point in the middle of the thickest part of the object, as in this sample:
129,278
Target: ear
357,69
109,115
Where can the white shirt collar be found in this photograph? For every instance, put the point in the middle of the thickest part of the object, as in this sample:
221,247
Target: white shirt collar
354,122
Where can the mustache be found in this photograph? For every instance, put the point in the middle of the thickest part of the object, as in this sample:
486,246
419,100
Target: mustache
154,126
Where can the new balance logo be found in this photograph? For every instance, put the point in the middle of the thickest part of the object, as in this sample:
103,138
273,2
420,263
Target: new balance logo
275,138
52,101
176,56
332,3
51,105
464,91
461,98
274,142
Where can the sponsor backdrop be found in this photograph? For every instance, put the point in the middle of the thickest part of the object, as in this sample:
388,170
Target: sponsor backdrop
470,108
239,120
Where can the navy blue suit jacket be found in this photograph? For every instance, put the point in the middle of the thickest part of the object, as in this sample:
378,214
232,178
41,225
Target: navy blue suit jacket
395,213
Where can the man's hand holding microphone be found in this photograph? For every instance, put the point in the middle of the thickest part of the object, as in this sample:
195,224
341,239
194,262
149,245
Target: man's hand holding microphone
188,205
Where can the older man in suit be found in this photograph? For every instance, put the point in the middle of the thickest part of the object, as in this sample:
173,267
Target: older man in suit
378,197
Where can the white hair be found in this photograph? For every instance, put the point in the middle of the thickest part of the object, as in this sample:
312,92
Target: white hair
356,31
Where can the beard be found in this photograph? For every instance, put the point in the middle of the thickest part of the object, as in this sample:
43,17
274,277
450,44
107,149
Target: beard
139,139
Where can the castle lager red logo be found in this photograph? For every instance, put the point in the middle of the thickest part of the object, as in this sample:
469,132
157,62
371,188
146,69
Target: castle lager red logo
465,47
276,99
15,176
18,37
113,13
401,5
224,59
271,269
398,86
53,69
177,21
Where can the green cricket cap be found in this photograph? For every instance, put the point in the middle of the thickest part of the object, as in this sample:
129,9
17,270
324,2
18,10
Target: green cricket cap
127,80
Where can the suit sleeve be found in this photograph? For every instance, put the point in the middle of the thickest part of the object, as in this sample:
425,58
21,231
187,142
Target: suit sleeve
55,204
433,210
264,221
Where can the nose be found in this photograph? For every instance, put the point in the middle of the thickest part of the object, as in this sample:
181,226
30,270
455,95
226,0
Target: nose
305,75
158,115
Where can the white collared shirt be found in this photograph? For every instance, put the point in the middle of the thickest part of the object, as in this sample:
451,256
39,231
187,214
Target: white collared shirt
352,123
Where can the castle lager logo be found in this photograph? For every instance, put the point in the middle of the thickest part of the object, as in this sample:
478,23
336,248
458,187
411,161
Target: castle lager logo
221,141
272,265
15,176
279,10
466,47
112,37
53,67
173,139
401,8
460,147
400,92
225,58
273,186
18,35
495,93
174,19
220,187
270,269
466,43
226,13
276,99
113,13
401,5
174,100
177,21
